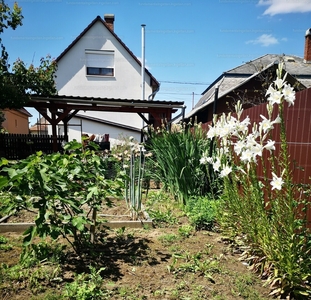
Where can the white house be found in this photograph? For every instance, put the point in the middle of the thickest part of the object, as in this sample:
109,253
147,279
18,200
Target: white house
98,64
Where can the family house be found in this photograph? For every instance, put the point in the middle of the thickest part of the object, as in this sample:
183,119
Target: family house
97,64
249,82
16,121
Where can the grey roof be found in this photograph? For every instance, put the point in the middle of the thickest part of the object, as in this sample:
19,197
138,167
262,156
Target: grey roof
236,77
112,102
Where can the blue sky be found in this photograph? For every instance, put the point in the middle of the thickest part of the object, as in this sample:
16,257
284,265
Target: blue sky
188,43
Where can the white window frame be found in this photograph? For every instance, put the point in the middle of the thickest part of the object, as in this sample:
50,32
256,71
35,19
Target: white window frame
99,63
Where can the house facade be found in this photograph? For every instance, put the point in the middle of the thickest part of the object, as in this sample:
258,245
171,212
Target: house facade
98,64
249,82
16,121
40,128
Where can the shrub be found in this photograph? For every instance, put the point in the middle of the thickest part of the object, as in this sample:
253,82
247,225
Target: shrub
66,190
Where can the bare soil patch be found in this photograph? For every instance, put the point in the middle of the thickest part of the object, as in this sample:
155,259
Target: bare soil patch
148,263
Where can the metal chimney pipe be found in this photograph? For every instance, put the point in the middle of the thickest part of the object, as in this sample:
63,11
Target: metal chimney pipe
143,61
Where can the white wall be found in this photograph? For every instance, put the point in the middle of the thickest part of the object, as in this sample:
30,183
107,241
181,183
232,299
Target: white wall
126,84
90,127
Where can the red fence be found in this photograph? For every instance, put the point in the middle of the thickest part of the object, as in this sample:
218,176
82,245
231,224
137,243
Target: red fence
298,133
19,146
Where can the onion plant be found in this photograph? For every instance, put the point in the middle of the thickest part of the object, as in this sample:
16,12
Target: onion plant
134,180
132,156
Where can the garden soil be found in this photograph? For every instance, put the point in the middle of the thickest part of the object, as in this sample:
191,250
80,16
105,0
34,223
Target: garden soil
150,263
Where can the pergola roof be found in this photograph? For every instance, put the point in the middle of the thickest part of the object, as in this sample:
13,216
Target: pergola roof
63,108
103,104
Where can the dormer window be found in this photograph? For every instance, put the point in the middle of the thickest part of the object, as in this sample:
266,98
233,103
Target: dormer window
99,62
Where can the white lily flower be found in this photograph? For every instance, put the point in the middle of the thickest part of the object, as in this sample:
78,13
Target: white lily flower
247,156
279,82
203,160
276,182
265,125
257,150
217,164
270,145
239,146
211,132
289,94
275,97
225,171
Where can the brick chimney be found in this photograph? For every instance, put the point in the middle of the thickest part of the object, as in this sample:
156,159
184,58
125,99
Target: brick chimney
109,19
307,55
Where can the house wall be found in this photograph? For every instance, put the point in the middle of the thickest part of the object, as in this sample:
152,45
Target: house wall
80,126
125,84
15,122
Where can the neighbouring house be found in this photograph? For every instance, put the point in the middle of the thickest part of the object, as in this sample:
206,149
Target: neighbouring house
249,82
97,64
40,127
16,121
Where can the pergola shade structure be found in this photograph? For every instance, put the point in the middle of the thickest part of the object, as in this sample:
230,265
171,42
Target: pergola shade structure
56,109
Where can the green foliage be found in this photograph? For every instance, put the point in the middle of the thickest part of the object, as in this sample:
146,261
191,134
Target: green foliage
185,230
41,252
86,287
243,287
2,119
162,209
34,279
18,84
270,214
4,245
176,158
201,212
194,263
168,239
66,190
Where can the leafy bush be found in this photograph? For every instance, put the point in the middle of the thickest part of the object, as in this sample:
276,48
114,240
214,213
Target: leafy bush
66,190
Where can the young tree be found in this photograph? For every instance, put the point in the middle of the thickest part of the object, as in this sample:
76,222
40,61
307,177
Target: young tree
18,83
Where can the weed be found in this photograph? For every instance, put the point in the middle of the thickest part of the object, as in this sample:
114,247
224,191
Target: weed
201,212
4,244
185,230
243,287
168,239
86,286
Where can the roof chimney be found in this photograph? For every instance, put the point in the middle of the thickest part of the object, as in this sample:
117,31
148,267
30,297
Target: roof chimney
307,55
109,19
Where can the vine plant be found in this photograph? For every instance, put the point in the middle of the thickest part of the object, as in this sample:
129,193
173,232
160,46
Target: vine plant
65,189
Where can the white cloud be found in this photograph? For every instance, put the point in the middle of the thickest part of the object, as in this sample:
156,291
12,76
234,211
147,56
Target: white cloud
285,6
264,40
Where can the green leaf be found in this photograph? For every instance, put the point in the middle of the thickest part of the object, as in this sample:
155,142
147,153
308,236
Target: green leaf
79,222
29,235
93,190
4,162
3,182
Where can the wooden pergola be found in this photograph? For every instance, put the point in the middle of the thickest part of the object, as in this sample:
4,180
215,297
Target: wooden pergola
56,109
